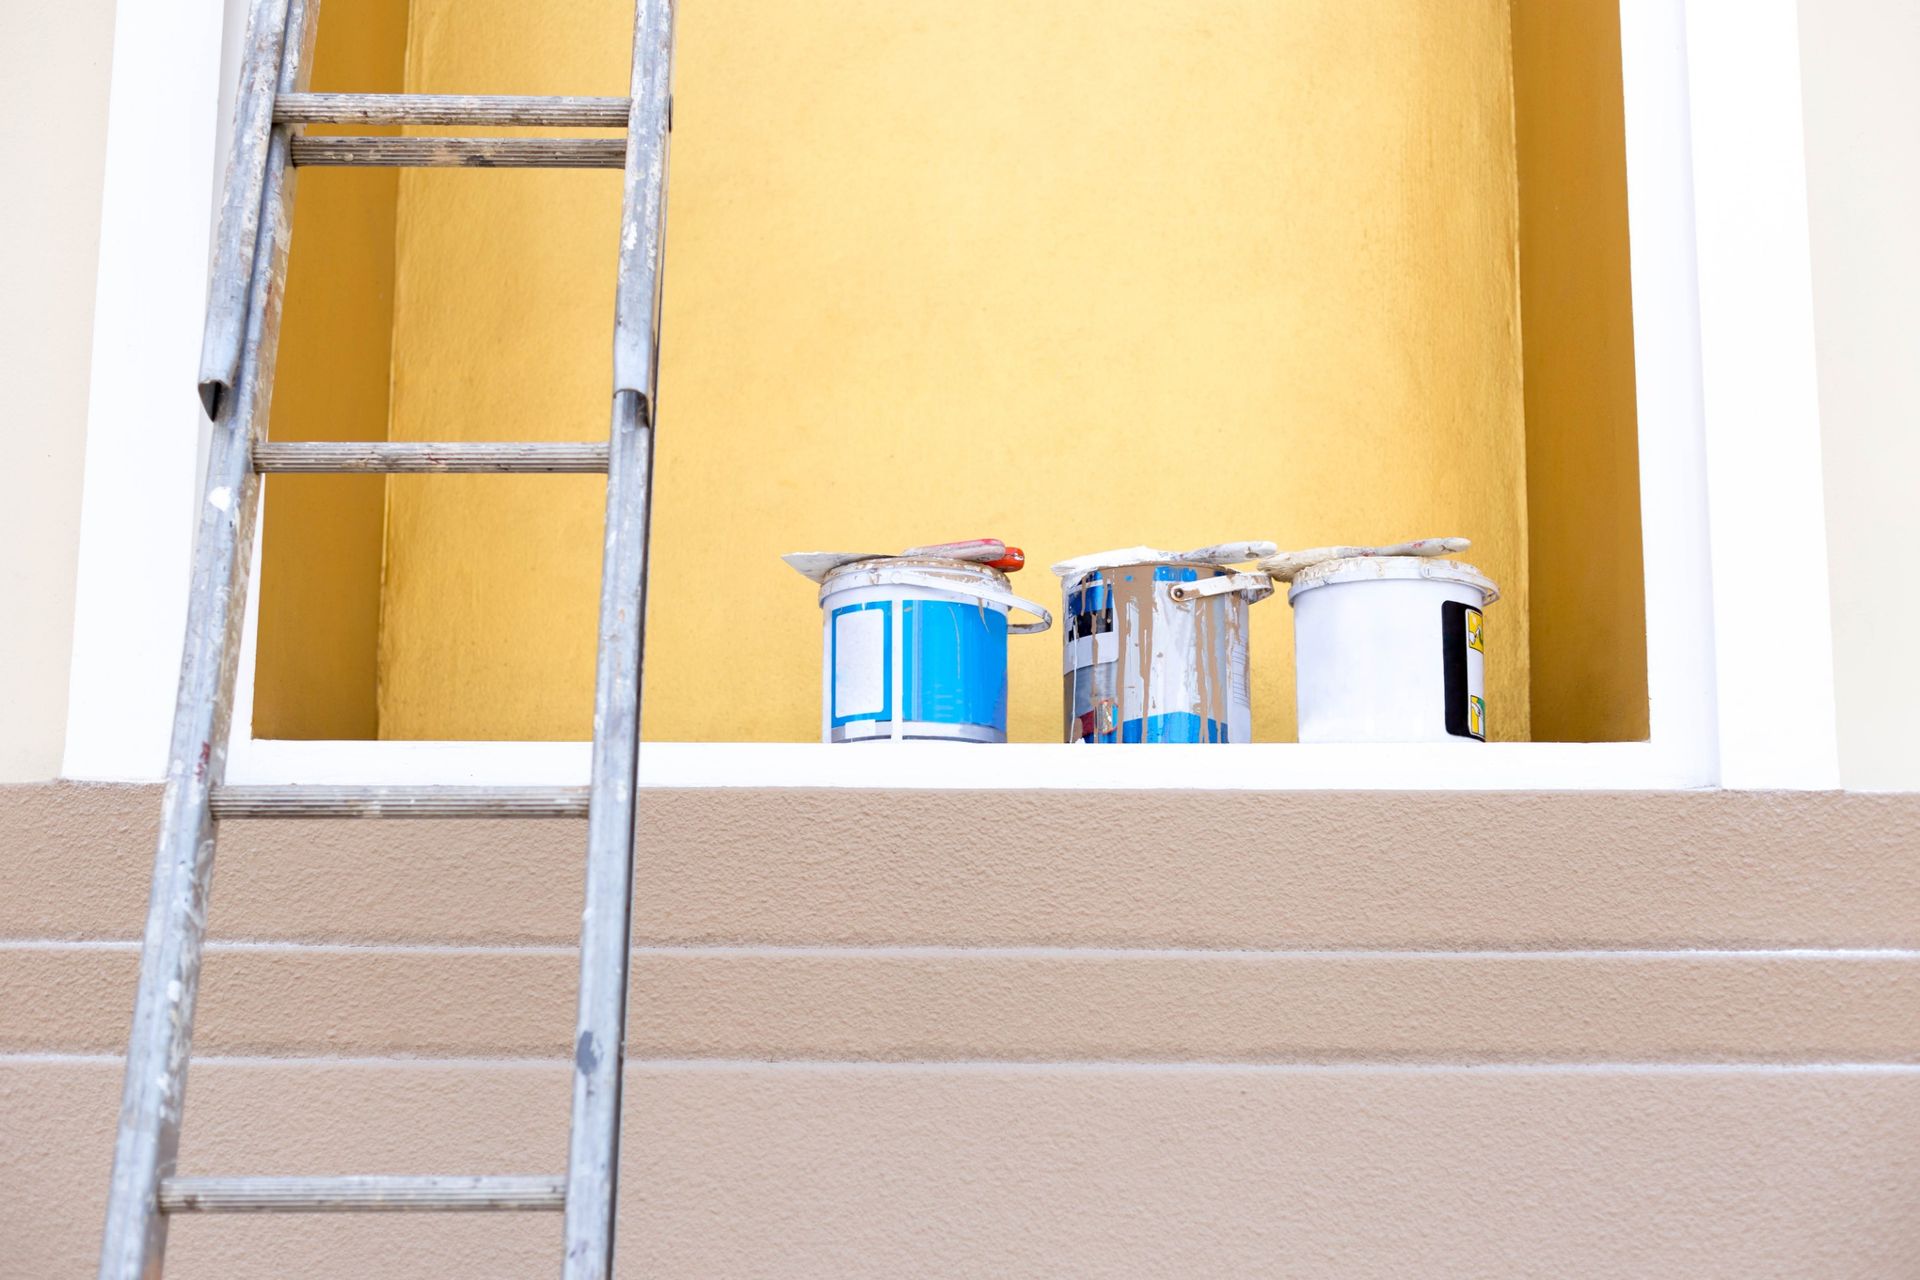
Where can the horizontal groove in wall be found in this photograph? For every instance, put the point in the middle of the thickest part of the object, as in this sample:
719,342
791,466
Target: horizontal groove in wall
840,1005
751,1066
237,946
1079,869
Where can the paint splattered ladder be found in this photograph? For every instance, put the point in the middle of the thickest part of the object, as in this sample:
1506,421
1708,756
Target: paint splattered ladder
236,380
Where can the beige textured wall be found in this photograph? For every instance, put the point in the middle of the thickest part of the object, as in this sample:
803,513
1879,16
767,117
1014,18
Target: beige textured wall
1862,105
1024,1034
54,60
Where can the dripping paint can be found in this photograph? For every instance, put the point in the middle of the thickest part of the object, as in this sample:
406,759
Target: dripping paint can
916,648
1158,653
1391,649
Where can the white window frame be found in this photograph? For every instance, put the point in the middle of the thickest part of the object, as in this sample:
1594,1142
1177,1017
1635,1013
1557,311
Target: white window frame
1741,688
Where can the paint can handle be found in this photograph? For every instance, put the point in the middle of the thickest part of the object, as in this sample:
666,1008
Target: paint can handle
1005,599
1042,619
1254,586
1010,602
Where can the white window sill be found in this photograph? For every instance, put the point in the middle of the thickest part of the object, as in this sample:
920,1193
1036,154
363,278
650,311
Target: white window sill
1276,766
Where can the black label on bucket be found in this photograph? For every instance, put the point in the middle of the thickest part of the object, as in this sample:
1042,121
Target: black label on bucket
1463,654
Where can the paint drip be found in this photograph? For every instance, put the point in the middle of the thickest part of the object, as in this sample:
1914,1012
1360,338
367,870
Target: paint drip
1157,652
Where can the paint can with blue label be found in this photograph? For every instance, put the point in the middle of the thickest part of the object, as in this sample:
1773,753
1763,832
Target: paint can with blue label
1158,652
915,648
1391,649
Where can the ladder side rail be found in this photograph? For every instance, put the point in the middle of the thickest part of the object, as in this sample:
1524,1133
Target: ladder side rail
643,215
593,1156
240,202
134,1239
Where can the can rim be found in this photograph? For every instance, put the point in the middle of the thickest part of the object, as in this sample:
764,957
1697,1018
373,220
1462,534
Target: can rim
880,573
1390,569
966,579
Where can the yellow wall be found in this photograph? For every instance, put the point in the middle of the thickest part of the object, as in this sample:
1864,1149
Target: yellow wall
503,331
1074,274
1589,614
321,554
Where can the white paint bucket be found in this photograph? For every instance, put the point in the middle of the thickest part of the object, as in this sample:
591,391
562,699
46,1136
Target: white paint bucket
1391,649
916,648
1158,653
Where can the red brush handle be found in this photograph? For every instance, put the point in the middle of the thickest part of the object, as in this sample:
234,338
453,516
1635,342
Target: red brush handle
1010,562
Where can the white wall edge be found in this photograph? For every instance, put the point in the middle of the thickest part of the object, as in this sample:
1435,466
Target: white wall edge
143,418
1674,533
1766,506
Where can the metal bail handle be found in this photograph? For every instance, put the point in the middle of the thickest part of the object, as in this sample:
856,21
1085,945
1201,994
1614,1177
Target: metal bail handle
1004,598
1254,586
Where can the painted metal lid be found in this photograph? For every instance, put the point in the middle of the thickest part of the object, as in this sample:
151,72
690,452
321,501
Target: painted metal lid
910,571
1125,557
1391,568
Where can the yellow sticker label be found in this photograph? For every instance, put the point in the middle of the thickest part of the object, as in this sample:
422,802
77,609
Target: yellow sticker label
1476,630
1477,716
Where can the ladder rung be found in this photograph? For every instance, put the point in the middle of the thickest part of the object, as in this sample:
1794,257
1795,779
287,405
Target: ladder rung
454,153
410,458
360,1194
449,109
301,801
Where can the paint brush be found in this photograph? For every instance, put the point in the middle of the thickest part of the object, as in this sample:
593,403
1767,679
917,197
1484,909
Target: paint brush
977,550
991,552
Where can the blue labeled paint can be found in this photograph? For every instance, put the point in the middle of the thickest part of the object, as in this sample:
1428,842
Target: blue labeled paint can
916,648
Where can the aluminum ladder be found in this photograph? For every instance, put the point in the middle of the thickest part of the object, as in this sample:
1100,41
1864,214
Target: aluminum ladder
236,383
